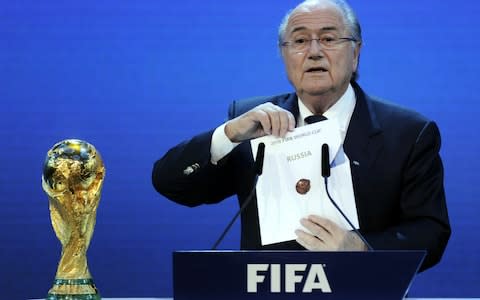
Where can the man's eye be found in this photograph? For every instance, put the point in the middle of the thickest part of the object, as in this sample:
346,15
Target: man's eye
300,41
328,39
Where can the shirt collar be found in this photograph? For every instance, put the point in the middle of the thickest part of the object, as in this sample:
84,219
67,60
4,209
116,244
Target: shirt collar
341,111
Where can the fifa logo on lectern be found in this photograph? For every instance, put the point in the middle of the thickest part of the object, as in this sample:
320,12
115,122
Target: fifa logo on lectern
293,275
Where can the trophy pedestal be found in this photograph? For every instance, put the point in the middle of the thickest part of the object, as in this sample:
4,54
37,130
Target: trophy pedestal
73,289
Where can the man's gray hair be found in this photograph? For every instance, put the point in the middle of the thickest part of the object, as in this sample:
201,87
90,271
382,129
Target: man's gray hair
349,17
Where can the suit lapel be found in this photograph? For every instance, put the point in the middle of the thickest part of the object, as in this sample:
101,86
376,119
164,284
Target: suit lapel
363,139
363,144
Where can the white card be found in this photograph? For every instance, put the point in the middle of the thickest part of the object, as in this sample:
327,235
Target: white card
296,160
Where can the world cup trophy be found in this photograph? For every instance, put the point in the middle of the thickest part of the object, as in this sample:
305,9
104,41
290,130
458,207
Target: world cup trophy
72,178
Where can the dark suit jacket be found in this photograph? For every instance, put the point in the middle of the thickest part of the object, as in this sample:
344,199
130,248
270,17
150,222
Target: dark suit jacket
398,183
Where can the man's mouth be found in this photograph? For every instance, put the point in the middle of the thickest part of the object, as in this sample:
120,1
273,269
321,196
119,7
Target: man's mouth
316,70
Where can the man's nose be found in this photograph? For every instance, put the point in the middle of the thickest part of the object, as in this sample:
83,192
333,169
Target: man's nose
315,50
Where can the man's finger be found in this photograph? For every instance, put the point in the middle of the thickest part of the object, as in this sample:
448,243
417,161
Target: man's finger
264,119
308,241
326,224
314,228
275,121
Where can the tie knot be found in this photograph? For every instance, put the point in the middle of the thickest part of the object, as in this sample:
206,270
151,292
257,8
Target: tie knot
314,119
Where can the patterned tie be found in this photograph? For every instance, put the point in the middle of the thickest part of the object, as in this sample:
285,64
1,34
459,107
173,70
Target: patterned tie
314,119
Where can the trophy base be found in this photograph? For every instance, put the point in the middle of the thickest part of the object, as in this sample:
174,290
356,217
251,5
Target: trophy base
73,289
73,297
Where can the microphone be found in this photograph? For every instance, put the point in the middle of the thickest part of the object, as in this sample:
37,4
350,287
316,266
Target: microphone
325,175
325,161
258,167
259,160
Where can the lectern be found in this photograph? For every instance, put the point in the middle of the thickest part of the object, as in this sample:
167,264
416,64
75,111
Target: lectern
282,275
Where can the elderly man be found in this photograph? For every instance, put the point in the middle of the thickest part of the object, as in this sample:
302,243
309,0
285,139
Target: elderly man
397,175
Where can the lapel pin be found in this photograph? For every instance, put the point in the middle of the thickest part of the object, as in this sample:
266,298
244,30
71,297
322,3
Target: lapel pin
190,169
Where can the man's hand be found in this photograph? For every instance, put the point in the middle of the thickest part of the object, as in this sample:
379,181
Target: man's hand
327,236
262,120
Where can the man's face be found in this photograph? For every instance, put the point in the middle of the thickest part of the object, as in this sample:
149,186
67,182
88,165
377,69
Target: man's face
318,71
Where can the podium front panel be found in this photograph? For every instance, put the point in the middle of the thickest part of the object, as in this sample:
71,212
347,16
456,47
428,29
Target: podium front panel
221,275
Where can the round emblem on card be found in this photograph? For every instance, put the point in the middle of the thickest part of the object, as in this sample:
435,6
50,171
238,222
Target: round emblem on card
303,186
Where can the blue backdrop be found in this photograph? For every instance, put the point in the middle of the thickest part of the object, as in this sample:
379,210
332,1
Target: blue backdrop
133,78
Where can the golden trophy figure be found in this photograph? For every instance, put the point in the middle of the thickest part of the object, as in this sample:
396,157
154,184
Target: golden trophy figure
72,178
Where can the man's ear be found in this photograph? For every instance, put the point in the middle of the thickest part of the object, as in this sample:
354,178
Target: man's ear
281,52
356,56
